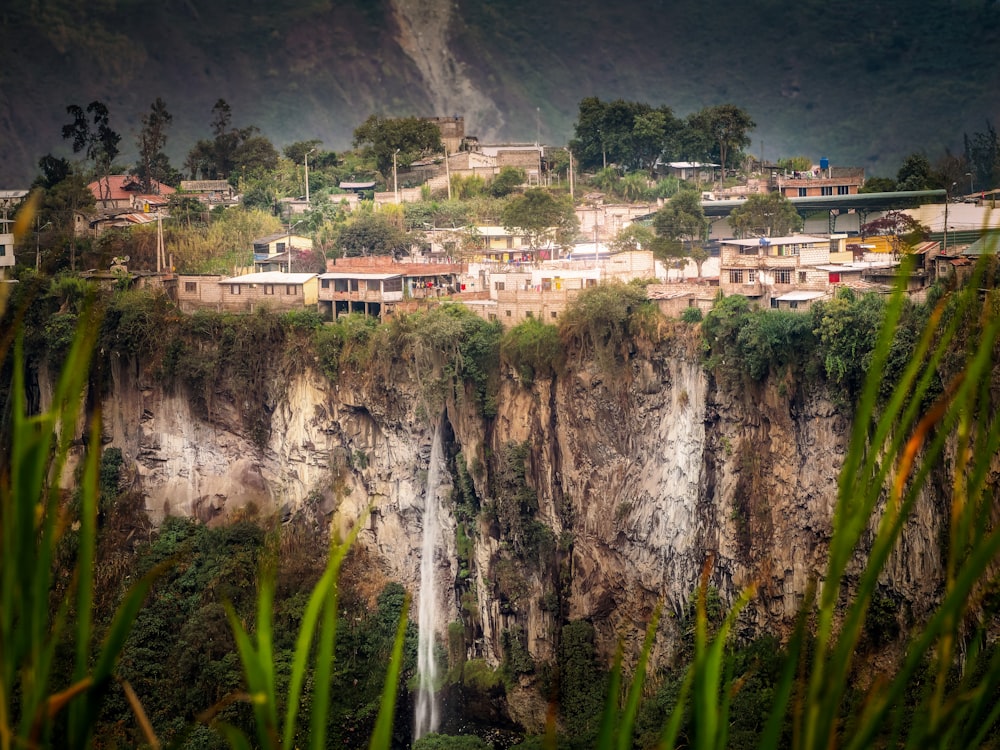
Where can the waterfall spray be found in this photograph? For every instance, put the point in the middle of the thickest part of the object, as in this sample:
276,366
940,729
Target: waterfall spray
427,718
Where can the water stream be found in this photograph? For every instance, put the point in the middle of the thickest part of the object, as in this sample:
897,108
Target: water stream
427,718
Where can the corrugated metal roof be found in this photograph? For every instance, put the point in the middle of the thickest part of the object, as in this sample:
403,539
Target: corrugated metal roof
362,275
270,277
799,296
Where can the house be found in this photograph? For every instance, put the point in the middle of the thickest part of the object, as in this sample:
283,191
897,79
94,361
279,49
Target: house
688,170
192,292
673,299
125,191
279,242
419,280
6,253
499,245
371,293
767,267
210,192
818,182
273,289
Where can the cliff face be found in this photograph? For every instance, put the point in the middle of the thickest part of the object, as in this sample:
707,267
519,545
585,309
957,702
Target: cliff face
625,488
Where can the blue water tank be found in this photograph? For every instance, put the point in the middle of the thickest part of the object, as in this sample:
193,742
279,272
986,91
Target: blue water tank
824,163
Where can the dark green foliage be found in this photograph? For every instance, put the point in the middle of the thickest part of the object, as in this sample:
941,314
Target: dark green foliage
743,342
541,215
516,659
533,349
230,357
691,315
505,183
765,215
372,234
582,682
449,742
514,502
607,321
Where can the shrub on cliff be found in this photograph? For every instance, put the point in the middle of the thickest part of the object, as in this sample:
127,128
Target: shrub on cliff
608,321
533,349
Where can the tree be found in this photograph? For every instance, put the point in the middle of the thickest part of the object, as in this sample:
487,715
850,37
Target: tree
725,125
982,152
903,229
632,135
765,215
232,151
914,174
297,151
153,166
680,223
95,138
539,216
878,185
505,183
409,138
633,237
372,234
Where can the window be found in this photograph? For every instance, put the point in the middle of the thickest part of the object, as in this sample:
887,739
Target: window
555,314
508,313
802,277
529,314
190,287
751,275
234,289
291,289
735,276
834,277
499,285
354,285
268,288
843,189
783,276
802,193
591,282
3,250
826,190
325,283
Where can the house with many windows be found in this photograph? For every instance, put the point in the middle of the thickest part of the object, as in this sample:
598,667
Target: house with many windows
768,269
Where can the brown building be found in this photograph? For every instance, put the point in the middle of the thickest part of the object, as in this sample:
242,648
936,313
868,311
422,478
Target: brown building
272,289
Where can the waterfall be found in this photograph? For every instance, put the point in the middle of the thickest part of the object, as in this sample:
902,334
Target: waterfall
427,718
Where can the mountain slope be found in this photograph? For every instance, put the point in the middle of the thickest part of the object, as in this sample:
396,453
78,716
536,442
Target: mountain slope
862,84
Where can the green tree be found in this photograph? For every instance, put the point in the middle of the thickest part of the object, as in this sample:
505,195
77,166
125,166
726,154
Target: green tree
94,137
982,154
232,151
632,135
765,215
725,125
795,164
915,174
505,183
372,234
539,215
878,185
633,237
409,138
680,223
153,167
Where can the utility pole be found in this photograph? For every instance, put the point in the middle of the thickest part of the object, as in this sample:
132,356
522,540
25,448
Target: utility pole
395,182
306,157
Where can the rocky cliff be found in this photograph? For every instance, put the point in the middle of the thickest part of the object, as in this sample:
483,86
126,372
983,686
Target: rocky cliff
597,493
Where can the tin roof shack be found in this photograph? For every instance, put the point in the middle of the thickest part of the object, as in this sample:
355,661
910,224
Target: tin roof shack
674,299
371,294
272,289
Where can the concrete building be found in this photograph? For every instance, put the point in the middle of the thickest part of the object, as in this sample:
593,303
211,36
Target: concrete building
273,289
